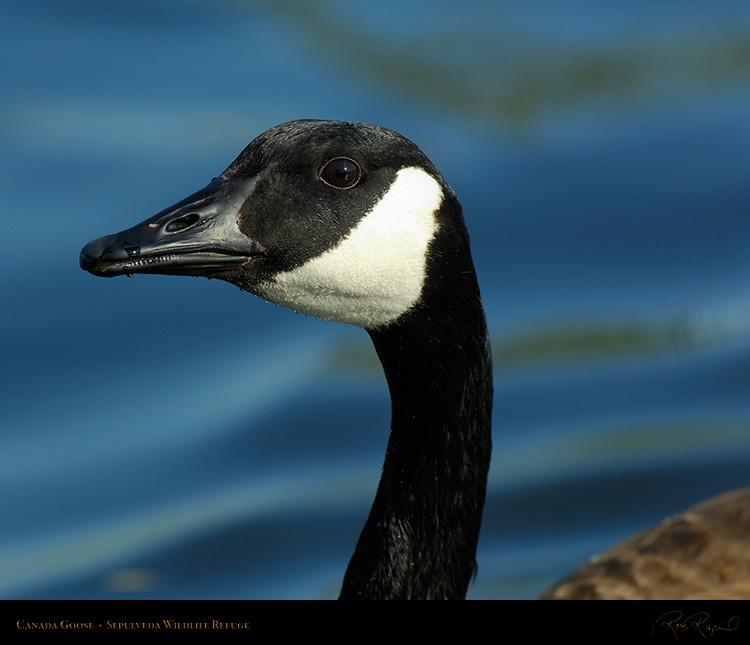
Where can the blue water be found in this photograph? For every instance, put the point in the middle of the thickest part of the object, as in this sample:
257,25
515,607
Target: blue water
168,437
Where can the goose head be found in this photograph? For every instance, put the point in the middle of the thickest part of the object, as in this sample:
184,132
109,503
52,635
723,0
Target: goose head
333,219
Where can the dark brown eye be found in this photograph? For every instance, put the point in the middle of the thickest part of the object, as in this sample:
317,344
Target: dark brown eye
340,173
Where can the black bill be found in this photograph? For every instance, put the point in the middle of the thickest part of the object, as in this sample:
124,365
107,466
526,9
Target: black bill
198,236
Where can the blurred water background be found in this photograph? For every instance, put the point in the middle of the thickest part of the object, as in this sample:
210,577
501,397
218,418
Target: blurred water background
168,437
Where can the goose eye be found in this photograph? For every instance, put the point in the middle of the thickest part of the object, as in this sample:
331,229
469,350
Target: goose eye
340,173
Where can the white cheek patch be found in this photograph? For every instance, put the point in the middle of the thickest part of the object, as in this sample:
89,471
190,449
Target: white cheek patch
375,273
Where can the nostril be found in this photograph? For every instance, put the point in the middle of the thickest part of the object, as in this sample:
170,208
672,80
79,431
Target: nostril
181,223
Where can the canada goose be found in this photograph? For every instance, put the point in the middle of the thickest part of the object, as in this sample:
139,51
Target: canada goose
702,553
351,222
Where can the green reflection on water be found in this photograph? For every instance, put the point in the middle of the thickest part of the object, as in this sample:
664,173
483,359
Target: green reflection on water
499,73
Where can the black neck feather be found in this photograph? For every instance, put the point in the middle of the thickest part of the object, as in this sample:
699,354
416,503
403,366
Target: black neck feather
420,538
